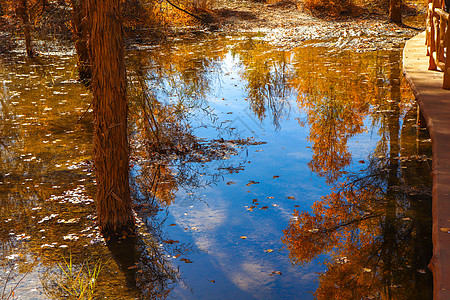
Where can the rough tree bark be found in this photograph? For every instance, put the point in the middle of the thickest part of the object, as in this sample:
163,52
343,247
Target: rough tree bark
22,13
395,11
111,148
80,34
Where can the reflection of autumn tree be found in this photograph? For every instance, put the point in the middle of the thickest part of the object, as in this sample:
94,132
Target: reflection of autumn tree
183,71
169,90
267,74
161,128
376,225
336,94
145,267
157,180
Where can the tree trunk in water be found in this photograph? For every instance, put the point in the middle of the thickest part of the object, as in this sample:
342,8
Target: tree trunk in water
111,148
22,12
79,20
395,11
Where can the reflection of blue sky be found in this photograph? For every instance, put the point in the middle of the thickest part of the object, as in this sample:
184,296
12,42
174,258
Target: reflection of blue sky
241,269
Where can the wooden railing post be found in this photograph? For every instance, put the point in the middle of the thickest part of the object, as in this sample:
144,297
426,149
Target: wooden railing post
431,40
446,83
428,25
442,33
438,39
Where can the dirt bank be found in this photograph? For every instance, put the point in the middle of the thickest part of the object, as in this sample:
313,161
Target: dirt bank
287,25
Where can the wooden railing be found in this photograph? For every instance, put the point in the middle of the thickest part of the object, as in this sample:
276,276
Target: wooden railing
438,38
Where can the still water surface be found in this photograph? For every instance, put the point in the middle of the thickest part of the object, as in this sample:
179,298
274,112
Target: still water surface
257,174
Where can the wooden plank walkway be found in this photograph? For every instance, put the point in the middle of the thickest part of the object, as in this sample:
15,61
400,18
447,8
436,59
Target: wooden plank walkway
435,105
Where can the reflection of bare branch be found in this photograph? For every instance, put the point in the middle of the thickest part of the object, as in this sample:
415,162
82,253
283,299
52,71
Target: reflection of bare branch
349,222
11,293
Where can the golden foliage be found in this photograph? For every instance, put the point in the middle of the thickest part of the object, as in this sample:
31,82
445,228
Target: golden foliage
329,7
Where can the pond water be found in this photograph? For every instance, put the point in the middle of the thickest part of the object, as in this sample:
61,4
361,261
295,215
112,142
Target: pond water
257,174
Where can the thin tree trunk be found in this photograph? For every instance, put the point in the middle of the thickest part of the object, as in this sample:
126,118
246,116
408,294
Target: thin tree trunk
79,24
22,12
111,148
395,11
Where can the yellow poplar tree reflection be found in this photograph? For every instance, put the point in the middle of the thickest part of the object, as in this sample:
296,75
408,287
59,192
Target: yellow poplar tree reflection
376,224
336,94
267,74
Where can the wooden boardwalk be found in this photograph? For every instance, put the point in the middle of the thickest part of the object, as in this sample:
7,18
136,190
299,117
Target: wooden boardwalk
434,103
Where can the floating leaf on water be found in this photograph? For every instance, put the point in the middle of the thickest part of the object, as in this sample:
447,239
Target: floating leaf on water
252,182
186,260
264,207
213,281
275,273
70,221
71,237
12,256
173,224
194,228
445,229
270,197
268,250
48,218
361,161
243,237
170,242
296,205
231,182
291,197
